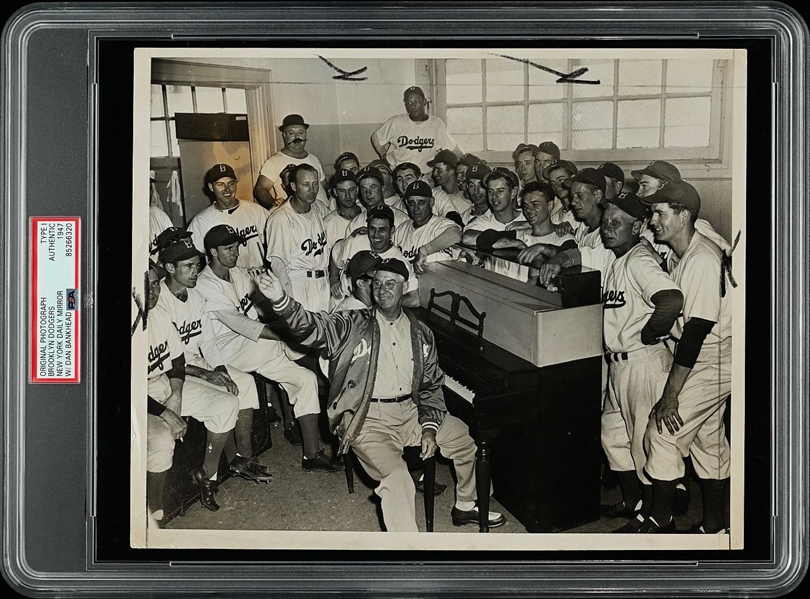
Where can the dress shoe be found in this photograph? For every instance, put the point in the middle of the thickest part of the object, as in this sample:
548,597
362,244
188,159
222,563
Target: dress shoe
650,526
208,489
293,434
460,518
322,462
617,510
438,488
249,469
680,502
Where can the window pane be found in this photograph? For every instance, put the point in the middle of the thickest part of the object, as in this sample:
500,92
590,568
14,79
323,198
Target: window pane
542,85
159,147
467,126
639,77
687,122
209,99
464,82
601,70
592,124
157,101
237,102
504,80
689,76
504,127
639,124
179,99
175,145
546,123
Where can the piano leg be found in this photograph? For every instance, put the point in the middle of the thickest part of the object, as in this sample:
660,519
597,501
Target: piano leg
483,478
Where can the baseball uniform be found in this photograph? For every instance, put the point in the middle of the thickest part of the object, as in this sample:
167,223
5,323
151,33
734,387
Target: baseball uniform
300,241
360,220
449,202
525,235
395,202
237,331
414,141
586,238
344,250
638,372
470,213
507,268
247,218
410,239
273,166
335,226
559,214
159,221
702,226
702,401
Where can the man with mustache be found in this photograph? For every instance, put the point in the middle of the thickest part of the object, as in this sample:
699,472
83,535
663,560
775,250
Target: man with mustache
268,190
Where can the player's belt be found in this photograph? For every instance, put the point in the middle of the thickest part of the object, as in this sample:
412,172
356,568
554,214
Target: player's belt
399,399
315,274
636,355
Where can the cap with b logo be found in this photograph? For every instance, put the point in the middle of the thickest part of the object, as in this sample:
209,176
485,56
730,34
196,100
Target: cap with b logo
550,148
478,171
589,176
168,236
370,171
343,175
566,165
179,249
418,189
676,192
394,265
346,156
659,170
219,171
609,169
631,204
221,235
413,89
380,211
362,263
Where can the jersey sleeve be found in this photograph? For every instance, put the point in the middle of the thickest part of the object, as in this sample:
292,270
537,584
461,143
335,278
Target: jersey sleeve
700,285
444,141
598,258
383,134
276,236
477,224
208,343
644,270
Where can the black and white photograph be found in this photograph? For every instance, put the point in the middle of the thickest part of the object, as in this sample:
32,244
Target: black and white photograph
384,297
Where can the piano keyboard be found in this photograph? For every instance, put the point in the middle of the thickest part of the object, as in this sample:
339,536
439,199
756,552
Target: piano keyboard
459,389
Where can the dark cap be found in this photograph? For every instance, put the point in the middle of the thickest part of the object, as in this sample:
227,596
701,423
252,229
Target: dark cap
478,171
522,148
380,165
418,189
218,171
169,235
469,159
159,270
569,167
503,173
293,119
550,148
221,235
614,171
346,156
370,171
380,211
447,156
676,192
589,176
362,263
413,88
179,249
394,265
660,170
631,204
343,175
407,165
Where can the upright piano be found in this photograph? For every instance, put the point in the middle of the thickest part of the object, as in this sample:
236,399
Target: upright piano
523,369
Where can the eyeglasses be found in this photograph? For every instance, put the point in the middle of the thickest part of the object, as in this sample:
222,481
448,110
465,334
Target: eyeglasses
389,284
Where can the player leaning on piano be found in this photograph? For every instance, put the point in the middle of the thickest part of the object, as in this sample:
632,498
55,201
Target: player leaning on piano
386,393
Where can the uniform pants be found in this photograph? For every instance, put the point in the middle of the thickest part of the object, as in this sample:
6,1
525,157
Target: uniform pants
634,386
313,294
387,429
159,444
701,405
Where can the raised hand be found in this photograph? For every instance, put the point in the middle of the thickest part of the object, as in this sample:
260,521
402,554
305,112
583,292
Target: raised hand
270,286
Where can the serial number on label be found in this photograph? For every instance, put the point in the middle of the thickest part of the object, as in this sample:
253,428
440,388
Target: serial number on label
55,303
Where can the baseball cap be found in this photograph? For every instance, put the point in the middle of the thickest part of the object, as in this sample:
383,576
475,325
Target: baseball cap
660,170
362,263
522,148
380,164
679,192
178,249
609,169
549,147
569,166
221,235
589,176
478,171
169,235
447,156
161,272
407,165
370,171
218,171
631,204
346,156
413,88
394,265
502,171
343,175
380,211
418,189
469,159
293,119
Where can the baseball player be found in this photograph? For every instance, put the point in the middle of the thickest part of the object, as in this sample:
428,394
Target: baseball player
246,217
556,174
251,346
405,173
427,237
465,161
413,137
476,192
347,161
186,309
296,241
523,157
503,215
371,183
390,196
547,154
449,197
614,179
344,189
688,418
268,190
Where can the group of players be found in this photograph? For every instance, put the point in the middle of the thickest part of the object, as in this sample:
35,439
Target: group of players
667,319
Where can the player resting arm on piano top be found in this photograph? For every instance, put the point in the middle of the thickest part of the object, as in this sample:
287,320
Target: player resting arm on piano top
482,231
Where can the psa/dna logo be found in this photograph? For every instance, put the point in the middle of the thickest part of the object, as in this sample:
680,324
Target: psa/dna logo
72,299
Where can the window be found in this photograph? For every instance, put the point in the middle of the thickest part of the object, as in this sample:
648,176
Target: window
641,110
170,99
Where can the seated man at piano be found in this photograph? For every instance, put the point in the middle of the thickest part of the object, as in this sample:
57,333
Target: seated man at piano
377,354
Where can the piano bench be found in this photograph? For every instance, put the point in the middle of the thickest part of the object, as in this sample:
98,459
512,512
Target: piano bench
411,456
